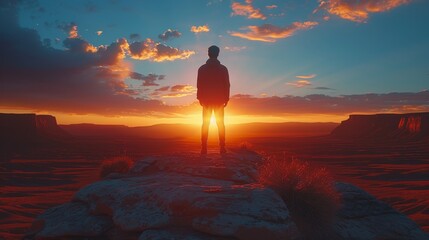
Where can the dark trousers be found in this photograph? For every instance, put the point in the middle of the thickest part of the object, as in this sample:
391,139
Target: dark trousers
207,114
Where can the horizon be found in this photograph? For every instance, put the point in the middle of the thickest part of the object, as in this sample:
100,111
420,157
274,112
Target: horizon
212,120
135,64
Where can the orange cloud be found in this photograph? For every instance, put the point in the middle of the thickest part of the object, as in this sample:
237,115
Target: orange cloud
271,33
70,29
73,32
358,11
198,29
177,91
99,33
150,50
271,6
247,10
310,76
299,83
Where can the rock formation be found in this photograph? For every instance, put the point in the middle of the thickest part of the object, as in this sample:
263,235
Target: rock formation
27,128
185,196
408,126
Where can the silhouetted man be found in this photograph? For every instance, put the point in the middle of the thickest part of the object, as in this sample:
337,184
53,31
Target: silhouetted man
213,94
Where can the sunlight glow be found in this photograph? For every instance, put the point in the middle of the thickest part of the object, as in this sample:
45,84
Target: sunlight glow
194,118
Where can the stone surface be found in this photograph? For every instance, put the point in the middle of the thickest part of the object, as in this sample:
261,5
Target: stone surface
186,196
363,217
70,219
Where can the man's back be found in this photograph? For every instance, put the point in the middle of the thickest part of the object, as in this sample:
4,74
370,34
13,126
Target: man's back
213,83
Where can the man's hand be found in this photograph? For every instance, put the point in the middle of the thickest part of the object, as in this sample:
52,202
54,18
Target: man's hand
225,104
201,104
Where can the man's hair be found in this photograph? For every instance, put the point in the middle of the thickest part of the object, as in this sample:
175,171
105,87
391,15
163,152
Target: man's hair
214,51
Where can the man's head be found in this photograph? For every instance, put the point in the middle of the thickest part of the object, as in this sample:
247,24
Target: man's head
214,51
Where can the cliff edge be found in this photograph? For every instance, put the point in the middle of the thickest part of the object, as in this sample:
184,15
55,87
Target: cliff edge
27,128
410,126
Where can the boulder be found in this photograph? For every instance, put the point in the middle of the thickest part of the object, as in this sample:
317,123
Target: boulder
186,196
363,217
70,219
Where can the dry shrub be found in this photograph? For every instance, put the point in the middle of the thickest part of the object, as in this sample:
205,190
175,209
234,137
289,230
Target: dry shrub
119,164
307,191
245,146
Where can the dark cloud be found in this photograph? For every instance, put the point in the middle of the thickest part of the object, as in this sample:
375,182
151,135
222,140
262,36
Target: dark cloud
47,42
323,88
324,104
80,79
169,34
134,36
148,80
163,89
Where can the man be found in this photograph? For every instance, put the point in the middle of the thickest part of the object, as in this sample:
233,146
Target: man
213,94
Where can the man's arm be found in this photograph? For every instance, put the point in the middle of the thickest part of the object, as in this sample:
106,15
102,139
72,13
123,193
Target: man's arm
228,85
198,84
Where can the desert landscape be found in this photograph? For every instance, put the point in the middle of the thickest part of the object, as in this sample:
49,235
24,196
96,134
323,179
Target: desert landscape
392,164
105,108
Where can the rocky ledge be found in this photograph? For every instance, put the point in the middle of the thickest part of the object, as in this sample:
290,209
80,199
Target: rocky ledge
185,196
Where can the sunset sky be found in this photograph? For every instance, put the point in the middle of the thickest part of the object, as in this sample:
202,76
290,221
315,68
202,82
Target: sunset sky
135,62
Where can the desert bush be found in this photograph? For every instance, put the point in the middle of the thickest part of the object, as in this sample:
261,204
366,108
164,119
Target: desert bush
118,164
245,146
307,191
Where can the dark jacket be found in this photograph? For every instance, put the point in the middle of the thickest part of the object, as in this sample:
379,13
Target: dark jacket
213,83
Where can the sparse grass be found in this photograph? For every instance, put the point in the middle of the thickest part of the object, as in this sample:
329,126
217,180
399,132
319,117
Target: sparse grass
246,146
118,164
307,191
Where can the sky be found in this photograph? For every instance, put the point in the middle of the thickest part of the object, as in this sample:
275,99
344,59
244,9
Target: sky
135,62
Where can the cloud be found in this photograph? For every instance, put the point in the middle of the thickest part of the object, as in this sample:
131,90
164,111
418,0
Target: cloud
79,45
299,83
271,6
358,11
310,76
158,52
134,36
182,88
148,80
325,104
178,91
271,33
198,29
99,33
163,89
167,53
69,28
234,49
247,10
78,79
169,34
323,88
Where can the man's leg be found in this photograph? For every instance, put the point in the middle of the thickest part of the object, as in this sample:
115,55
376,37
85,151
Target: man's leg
207,114
219,114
